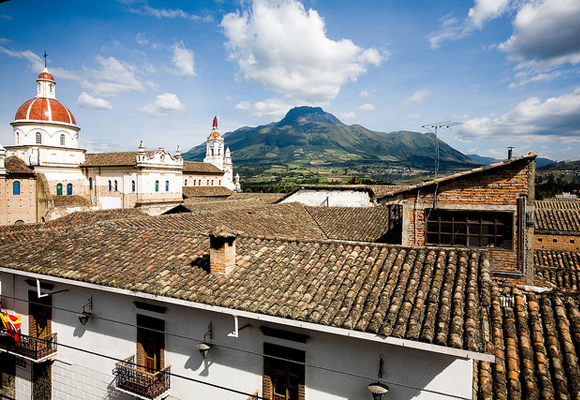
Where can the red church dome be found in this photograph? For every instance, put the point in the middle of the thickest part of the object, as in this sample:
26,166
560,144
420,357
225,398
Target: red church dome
45,109
45,75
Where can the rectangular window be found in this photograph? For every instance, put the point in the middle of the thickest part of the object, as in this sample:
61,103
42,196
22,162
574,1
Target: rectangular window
469,228
150,343
284,373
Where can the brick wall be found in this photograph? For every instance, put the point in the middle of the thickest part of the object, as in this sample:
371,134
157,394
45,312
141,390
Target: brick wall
222,254
543,241
495,190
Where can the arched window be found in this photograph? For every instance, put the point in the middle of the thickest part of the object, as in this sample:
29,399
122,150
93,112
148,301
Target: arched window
90,183
212,182
167,186
199,184
62,141
38,138
194,182
69,189
132,186
110,186
59,189
17,138
207,183
219,182
156,186
185,183
116,187
16,188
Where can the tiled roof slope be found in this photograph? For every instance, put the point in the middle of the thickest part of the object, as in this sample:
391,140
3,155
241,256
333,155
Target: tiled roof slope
15,165
201,168
128,158
557,205
486,168
431,295
558,221
18,233
557,269
274,221
206,191
84,218
370,224
69,201
536,340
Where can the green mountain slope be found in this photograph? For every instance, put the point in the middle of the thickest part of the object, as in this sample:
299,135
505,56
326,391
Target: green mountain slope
309,136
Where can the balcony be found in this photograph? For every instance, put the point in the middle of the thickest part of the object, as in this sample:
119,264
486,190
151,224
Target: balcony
34,349
130,379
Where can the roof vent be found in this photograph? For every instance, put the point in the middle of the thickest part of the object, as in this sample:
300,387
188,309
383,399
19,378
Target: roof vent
222,250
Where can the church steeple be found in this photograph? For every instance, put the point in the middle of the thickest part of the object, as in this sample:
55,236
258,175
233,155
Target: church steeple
45,85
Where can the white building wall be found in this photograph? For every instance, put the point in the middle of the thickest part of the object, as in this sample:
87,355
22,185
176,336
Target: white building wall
330,198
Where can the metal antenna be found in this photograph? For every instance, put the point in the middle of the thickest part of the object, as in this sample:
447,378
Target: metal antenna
436,126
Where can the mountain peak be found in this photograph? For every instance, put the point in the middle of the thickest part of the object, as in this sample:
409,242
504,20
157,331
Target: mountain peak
300,115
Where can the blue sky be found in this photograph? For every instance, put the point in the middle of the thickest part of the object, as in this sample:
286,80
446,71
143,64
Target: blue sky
159,71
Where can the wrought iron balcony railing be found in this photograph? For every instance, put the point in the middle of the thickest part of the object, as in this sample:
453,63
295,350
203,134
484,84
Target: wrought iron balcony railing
129,378
33,349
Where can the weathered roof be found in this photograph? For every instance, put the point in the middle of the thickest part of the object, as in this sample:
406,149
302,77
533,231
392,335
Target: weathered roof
436,296
563,222
206,191
201,168
366,224
557,269
70,201
461,175
15,165
335,188
128,158
555,204
535,338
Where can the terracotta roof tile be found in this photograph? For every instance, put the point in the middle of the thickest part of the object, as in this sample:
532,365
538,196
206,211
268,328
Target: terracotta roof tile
15,165
557,269
536,343
201,168
128,158
431,295
557,204
557,221
69,201
206,191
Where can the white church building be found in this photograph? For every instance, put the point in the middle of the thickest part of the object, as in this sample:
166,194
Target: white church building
46,139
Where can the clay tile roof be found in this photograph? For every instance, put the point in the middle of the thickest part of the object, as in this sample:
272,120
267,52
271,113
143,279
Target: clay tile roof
557,221
535,340
557,269
69,201
15,165
201,168
372,224
44,109
557,204
435,296
460,175
205,191
128,158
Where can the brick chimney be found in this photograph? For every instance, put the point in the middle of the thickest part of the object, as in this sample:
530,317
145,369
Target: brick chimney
222,250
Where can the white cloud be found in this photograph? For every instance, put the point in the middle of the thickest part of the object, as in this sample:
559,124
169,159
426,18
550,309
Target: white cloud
416,115
275,107
366,93
366,107
35,62
345,115
243,105
183,60
485,10
168,13
141,40
113,79
419,96
546,31
87,101
165,103
556,119
478,15
281,46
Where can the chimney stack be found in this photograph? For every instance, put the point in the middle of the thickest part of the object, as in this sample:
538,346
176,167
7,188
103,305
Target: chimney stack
222,250
510,152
